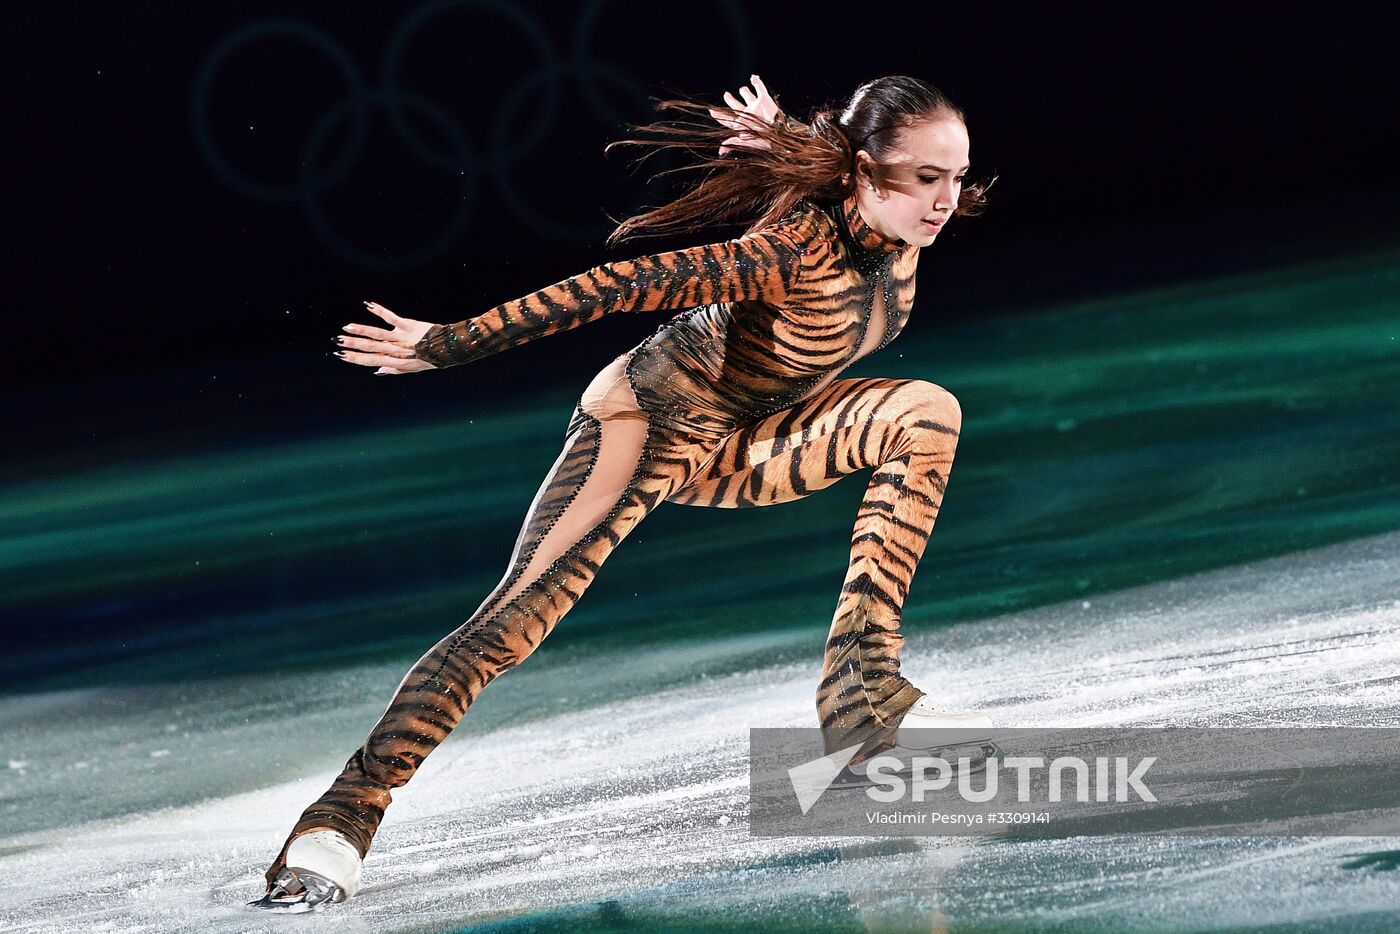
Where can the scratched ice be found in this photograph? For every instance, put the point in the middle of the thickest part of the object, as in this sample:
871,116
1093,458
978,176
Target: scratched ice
627,803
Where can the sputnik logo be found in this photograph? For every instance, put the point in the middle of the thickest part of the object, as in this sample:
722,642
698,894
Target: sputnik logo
810,780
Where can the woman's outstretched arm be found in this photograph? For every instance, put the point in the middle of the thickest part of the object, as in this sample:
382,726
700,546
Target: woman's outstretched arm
763,265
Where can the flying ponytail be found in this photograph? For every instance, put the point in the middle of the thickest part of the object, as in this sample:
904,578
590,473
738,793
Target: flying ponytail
789,160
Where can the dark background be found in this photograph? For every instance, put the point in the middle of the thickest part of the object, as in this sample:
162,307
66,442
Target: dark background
192,217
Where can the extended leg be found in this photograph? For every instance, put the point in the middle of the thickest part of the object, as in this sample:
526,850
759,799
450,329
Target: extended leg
616,466
907,430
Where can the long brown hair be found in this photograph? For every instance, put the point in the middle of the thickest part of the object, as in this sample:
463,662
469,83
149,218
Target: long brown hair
816,160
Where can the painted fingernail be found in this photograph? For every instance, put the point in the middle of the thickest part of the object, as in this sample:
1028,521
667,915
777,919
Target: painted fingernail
340,353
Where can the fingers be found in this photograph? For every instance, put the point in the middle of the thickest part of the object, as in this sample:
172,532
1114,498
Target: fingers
749,121
389,350
389,364
374,359
755,110
386,348
724,118
743,141
384,313
399,369
370,331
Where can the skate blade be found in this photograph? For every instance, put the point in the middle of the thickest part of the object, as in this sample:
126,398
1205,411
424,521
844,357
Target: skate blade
316,892
977,754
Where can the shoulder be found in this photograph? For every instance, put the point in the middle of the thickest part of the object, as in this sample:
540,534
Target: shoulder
806,228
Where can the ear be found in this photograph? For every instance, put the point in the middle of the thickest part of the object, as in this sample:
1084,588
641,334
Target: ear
865,172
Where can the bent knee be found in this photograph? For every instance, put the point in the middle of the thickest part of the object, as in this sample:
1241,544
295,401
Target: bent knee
930,405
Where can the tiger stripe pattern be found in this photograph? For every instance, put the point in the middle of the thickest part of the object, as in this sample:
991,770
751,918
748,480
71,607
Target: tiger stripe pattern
907,431
735,402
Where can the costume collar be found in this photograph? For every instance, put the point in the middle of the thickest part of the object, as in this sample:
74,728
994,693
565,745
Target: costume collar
868,237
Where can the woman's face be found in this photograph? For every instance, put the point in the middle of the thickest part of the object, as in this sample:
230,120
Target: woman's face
916,189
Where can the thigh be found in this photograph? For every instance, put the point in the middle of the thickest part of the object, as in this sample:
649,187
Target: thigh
589,482
615,467
809,446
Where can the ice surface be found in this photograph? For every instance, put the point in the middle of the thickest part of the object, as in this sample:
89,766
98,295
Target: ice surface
137,810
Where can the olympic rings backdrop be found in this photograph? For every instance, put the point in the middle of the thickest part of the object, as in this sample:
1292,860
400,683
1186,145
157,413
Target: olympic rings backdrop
513,119
208,184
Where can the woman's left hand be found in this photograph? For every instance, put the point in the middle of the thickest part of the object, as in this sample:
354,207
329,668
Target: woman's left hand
758,105
390,349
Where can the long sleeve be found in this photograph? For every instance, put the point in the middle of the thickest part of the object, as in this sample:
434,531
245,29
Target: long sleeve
763,265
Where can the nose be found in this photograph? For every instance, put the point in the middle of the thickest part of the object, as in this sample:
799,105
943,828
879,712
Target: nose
945,196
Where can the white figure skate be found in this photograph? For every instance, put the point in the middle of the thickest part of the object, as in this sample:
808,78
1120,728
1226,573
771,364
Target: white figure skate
961,737
928,725
323,867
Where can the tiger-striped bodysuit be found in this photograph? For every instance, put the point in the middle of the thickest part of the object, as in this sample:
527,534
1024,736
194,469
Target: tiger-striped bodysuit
735,402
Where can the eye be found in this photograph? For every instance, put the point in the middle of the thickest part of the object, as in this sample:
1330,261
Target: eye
927,179
960,178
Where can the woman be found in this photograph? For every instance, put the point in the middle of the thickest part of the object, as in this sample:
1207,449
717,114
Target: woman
735,402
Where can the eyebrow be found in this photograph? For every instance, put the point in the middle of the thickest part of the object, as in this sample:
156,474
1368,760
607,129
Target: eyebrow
939,168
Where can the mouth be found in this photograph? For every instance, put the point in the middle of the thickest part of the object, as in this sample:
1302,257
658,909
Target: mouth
932,223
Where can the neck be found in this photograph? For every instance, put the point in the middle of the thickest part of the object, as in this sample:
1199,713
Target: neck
856,212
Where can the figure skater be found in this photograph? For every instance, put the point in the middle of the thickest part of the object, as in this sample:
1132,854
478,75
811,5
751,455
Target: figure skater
735,402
